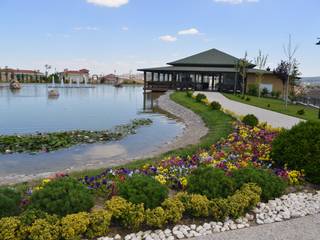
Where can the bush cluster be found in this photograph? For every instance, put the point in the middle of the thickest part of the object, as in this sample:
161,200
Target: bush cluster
210,182
272,186
215,105
189,94
299,149
200,97
143,189
301,112
250,120
9,202
62,197
253,89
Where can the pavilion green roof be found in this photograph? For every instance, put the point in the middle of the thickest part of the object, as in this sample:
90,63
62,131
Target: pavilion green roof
212,57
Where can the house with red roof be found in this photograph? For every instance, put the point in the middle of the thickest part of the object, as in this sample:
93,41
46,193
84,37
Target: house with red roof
23,76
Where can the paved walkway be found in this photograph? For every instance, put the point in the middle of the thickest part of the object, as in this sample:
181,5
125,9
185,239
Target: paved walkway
306,228
273,118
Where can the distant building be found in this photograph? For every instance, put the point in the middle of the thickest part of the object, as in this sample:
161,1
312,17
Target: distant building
23,76
73,76
108,79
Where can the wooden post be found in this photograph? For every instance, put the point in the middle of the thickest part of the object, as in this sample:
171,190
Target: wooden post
145,81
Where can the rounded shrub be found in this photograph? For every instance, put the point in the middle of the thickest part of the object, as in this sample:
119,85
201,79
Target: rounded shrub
189,94
9,202
215,105
211,182
250,120
156,217
174,209
299,149
62,197
143,189
200,97
272,186
301,112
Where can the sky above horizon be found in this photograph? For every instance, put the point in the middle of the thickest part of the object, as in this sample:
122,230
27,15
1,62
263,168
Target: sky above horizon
124,35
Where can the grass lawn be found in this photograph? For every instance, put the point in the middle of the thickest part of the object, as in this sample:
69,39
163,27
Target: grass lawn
277,105
218,123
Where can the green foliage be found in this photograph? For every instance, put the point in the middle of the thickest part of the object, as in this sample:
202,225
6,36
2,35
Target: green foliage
250,120
99,224
74,226
41,229
200,97
10,228
248,99
156,217
198,205
299,149
62,197
215,105
127,214
143,189
272,186
9,202
253,89
211,182
174,209
264,92
189,94
301,112
218,209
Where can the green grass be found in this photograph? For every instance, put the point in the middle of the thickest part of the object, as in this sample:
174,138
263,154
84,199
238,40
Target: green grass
278,105
218,123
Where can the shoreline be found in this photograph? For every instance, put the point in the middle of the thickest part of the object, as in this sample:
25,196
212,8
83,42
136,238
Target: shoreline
189,136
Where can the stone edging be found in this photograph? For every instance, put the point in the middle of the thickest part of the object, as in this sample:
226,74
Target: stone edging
287,207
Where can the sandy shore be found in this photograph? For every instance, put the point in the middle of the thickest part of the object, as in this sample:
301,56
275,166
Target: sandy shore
194,129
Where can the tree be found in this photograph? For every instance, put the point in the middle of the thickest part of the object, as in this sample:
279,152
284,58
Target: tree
289,51
242,68
260,62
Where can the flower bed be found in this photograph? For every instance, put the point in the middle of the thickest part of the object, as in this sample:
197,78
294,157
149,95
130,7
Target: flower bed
47,142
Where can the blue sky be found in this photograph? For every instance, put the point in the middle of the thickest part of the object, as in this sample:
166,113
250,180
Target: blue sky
123,35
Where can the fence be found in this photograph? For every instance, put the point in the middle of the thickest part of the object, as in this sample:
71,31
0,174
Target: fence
310,101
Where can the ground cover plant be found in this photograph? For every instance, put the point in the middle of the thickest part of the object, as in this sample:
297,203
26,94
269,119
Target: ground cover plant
47,142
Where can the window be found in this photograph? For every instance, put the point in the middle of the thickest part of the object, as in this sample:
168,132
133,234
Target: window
267,86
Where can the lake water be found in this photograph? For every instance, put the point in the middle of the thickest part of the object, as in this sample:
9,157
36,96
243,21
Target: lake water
30,110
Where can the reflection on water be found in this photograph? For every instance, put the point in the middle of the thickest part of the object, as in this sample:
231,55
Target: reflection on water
30,110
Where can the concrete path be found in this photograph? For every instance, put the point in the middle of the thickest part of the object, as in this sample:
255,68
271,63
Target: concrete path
306,228
273,118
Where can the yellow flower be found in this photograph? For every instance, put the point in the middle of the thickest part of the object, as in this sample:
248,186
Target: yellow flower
184,181
161,179
45,181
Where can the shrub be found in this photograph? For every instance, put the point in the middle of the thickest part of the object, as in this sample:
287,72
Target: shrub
74,226
30,215
143,189
129,215
174,209
9,228
99,224
62,197
9,202
250,120
248,99
268,105
299,149
301,112
211,182
264,92
200,97
189,94
215,105
272,186
41,229
198,205
253,89
218,209
156,217
243,200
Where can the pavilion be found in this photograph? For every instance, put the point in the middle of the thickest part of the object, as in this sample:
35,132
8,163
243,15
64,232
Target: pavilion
211,70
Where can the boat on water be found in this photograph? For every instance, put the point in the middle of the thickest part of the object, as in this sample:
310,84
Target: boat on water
118,83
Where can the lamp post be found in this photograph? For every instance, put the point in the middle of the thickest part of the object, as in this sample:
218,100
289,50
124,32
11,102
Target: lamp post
318,43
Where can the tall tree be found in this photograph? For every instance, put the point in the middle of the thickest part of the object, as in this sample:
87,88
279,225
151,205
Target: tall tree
289,52
261,62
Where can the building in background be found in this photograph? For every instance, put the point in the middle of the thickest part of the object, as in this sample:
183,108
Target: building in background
23,76
74,76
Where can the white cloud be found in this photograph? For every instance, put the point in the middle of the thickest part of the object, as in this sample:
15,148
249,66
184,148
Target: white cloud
191,31
88,28
236,1
109,3
124,28
168,38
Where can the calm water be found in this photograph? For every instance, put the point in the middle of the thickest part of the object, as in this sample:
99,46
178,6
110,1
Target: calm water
30,110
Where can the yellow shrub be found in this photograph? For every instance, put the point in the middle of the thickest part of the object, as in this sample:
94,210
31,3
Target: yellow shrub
156,217
41,229
218,209
99,224
133,217
174,209
10,228
254,191
74,226
117,206
199,205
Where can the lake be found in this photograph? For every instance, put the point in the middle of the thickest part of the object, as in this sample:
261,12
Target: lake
30,110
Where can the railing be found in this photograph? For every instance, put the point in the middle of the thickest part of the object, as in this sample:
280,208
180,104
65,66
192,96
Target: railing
309,101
